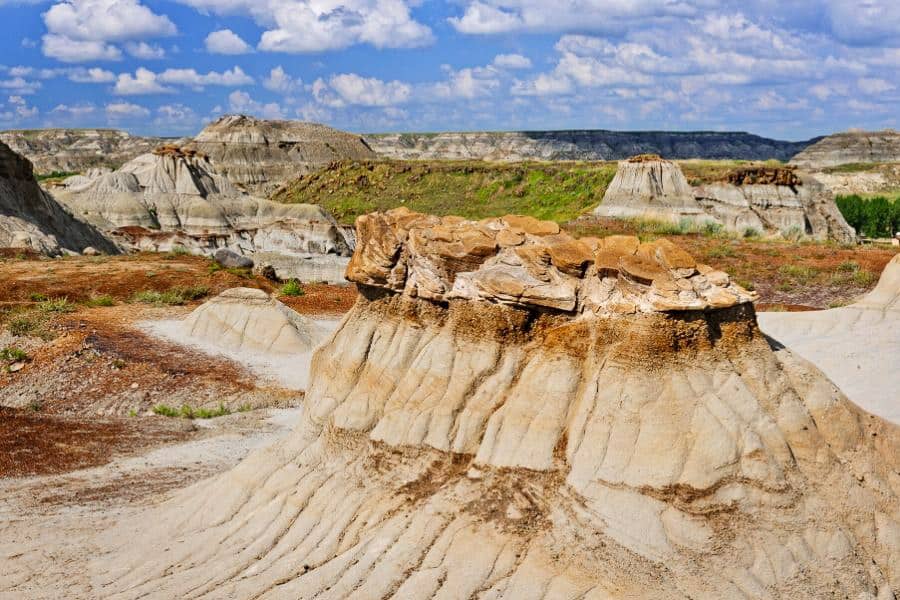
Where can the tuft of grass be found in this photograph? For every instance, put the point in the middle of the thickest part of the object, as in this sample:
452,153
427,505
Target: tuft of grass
752,232
188,412
10,354
746,284
37,297
215,267
292,288
864,278
721,251
101,300
793,234
173,297
56,305
176,252
848,266
25,325
799,273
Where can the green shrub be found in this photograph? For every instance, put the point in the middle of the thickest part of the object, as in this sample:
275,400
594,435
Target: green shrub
721,251
188,412
101,300
37,297
799,273
751,232
173,297
292,288
13,354
874,217
56,305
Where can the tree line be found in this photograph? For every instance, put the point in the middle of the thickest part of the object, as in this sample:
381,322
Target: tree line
877,217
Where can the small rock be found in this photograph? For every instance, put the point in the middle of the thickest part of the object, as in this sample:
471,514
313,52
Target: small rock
232,260
16,366
90,251
134,386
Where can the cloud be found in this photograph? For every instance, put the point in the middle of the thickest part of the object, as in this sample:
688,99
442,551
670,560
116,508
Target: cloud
144,81
864,22
145,51
21,108
92,75
368,91
87,30
512,61
231,78
874,86
301,26
280,82
20,85
241,102
468,83
176,117
75,111
116,111
226,41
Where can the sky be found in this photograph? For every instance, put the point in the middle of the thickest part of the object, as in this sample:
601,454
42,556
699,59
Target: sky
788,69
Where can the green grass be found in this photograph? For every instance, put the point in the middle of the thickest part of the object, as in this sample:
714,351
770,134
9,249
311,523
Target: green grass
471,189
54,175
189,412
10,354
56,305
798,273
98,301
243,273
292,288
173,297
721,251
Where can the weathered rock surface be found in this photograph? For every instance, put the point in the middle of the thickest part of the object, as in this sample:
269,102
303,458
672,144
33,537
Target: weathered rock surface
770,200
232,260
856,346
30,218
260,155
581,145
77,150
249,320
474,446
177,197
851,147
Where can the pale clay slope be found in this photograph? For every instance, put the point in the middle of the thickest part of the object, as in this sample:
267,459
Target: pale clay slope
476,449
31,219
851,147
657,189
857,346
249,326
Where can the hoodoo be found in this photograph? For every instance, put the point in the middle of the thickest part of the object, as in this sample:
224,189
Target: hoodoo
650,187
31,219
509,412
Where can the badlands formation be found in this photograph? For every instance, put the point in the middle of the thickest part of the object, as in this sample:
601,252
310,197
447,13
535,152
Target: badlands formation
508,412
77,150
260,155
768,199
856,346
31,219
586,144
851,147
176,197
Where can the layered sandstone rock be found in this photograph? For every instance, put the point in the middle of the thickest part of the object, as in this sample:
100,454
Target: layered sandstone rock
466,440
260,155
177,197
856,346
249,320
31,219
769,200
851,147
77,150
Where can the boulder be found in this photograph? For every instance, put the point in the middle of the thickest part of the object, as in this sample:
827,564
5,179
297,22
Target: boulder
232,260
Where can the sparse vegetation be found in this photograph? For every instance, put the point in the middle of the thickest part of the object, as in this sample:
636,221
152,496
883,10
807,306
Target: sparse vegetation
173,297
721,251
243,273
99,300
189,412
54,175
56,305
292,288
11,354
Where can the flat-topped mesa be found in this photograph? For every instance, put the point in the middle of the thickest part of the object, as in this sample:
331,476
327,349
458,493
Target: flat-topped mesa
521,261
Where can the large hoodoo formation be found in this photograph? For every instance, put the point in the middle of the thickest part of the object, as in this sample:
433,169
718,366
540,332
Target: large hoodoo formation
648,186
508,412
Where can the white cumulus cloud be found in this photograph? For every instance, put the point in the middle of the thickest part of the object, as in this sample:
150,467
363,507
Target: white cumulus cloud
92,75
368,91
279,81
242,102
231,78
144,81
116,111
512,61
225,41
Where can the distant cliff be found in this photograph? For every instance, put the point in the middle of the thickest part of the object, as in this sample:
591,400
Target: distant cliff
594,144
851,147
76,150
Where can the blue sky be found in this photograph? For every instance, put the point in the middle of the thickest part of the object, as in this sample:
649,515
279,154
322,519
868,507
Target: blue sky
790,69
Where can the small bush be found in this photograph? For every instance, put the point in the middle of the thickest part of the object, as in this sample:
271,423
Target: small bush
751,232
56,305
175,252
799,273
711,228
101,300
722,251
793,234
188,412
37,297
24,325
864,278
173,297
848,266
292,288
13,354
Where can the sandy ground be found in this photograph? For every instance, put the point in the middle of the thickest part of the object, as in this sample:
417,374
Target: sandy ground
291,372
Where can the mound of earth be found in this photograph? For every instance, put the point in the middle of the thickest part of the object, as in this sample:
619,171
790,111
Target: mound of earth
76,150
767,199
249,320
30,218
851,147
260,155
585,144
857,346
176,197
469,433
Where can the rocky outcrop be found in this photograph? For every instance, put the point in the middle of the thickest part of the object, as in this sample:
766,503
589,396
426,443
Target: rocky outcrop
594,144
851,147
856,346
483,444
769,200
249,320
31,219
259,155
176,197
77,150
